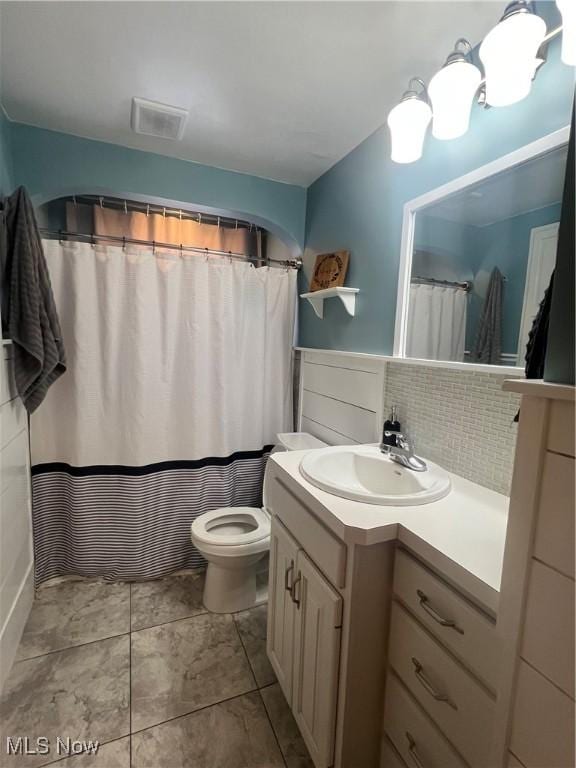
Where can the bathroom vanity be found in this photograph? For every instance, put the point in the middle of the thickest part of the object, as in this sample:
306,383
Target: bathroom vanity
381,623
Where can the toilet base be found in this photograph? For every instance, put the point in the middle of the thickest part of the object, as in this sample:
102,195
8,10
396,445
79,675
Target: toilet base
231,589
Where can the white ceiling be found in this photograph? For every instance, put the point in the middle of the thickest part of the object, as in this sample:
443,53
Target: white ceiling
281,90
535,184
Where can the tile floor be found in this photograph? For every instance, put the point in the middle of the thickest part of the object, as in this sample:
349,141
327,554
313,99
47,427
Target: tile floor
147,672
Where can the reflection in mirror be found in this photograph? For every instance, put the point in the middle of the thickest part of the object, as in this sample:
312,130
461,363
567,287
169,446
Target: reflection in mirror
481,262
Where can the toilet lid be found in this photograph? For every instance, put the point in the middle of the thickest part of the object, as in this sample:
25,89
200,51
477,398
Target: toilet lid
230,526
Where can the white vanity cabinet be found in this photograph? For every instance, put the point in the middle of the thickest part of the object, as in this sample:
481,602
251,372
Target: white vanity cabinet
382,643
303,642
328,606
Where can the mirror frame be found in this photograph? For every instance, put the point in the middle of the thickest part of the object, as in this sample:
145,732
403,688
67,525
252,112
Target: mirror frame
541,146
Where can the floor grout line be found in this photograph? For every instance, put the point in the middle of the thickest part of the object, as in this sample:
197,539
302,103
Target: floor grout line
172,621
282,755
71,647
238,633
259,689
194,711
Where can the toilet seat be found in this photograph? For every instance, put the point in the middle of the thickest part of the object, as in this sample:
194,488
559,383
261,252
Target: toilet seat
231,527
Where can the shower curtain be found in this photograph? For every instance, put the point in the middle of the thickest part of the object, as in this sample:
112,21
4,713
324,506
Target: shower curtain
179,378
436,322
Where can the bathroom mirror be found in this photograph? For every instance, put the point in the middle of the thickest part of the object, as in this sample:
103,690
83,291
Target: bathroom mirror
477,257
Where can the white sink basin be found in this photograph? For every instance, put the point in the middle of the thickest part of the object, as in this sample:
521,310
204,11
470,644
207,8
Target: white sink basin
364,473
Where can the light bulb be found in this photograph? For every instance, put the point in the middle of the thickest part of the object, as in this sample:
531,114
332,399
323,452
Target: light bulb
452,91
568,10
508,53
408,122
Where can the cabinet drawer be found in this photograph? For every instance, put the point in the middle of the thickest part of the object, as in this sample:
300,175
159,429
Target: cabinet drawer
389,758
470,634
455,701
555,525
326,551
548,643
561,429
412,732
542,722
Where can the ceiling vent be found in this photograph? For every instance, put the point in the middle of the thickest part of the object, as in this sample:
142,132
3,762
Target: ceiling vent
154,119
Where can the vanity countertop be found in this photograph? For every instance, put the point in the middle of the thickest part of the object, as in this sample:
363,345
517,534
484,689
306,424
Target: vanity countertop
463,534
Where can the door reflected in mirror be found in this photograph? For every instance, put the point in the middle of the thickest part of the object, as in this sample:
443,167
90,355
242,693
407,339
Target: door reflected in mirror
481,260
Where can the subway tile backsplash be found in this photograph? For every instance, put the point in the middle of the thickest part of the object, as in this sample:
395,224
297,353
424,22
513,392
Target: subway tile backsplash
461,420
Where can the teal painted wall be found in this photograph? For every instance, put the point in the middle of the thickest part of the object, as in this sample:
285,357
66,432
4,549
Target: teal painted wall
6,167
357,205
51,164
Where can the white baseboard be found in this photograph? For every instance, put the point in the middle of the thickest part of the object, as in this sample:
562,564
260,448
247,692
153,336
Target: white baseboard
14,625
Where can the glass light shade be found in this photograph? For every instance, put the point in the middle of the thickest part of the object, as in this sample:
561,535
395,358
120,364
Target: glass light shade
408,122
452,91
508,53
568,10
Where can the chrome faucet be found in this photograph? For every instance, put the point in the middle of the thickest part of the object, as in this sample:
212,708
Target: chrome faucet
402,452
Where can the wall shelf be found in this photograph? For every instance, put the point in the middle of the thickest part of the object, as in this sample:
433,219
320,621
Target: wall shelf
347,297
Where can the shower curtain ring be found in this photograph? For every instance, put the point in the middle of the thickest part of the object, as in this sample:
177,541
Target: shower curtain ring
123,243
207,253
60,236
153,247
230,256
125,208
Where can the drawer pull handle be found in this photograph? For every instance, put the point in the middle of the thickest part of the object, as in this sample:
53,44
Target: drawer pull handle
413,751
425,604
295,583
287,574
427,685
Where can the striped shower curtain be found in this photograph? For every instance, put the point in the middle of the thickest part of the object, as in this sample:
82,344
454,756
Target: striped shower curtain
179,378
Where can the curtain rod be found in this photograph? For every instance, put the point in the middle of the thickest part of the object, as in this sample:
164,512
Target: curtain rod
465,286
62,234
122,204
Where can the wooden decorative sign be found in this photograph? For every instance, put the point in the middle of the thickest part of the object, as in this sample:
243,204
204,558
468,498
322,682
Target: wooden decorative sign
329,270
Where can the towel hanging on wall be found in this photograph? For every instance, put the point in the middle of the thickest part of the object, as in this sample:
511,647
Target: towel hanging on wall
29,316
488,344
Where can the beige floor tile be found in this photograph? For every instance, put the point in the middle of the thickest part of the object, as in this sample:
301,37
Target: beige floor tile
233,734
185,665
73,613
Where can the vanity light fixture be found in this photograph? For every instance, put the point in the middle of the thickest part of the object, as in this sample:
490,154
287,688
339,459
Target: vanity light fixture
508,53
408,122
452,91
568,10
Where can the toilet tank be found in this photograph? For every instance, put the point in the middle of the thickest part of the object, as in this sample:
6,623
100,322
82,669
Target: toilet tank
293,441
297,441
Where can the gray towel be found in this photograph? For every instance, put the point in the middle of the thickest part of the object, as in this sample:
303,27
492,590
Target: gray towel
488,344
29,314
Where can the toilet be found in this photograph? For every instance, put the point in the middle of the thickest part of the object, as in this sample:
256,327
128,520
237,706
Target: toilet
234,540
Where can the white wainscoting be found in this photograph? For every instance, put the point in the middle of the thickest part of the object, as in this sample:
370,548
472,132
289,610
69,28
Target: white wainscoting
341,398
16,559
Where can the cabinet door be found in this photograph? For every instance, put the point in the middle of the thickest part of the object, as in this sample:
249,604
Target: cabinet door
280,633
316,657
